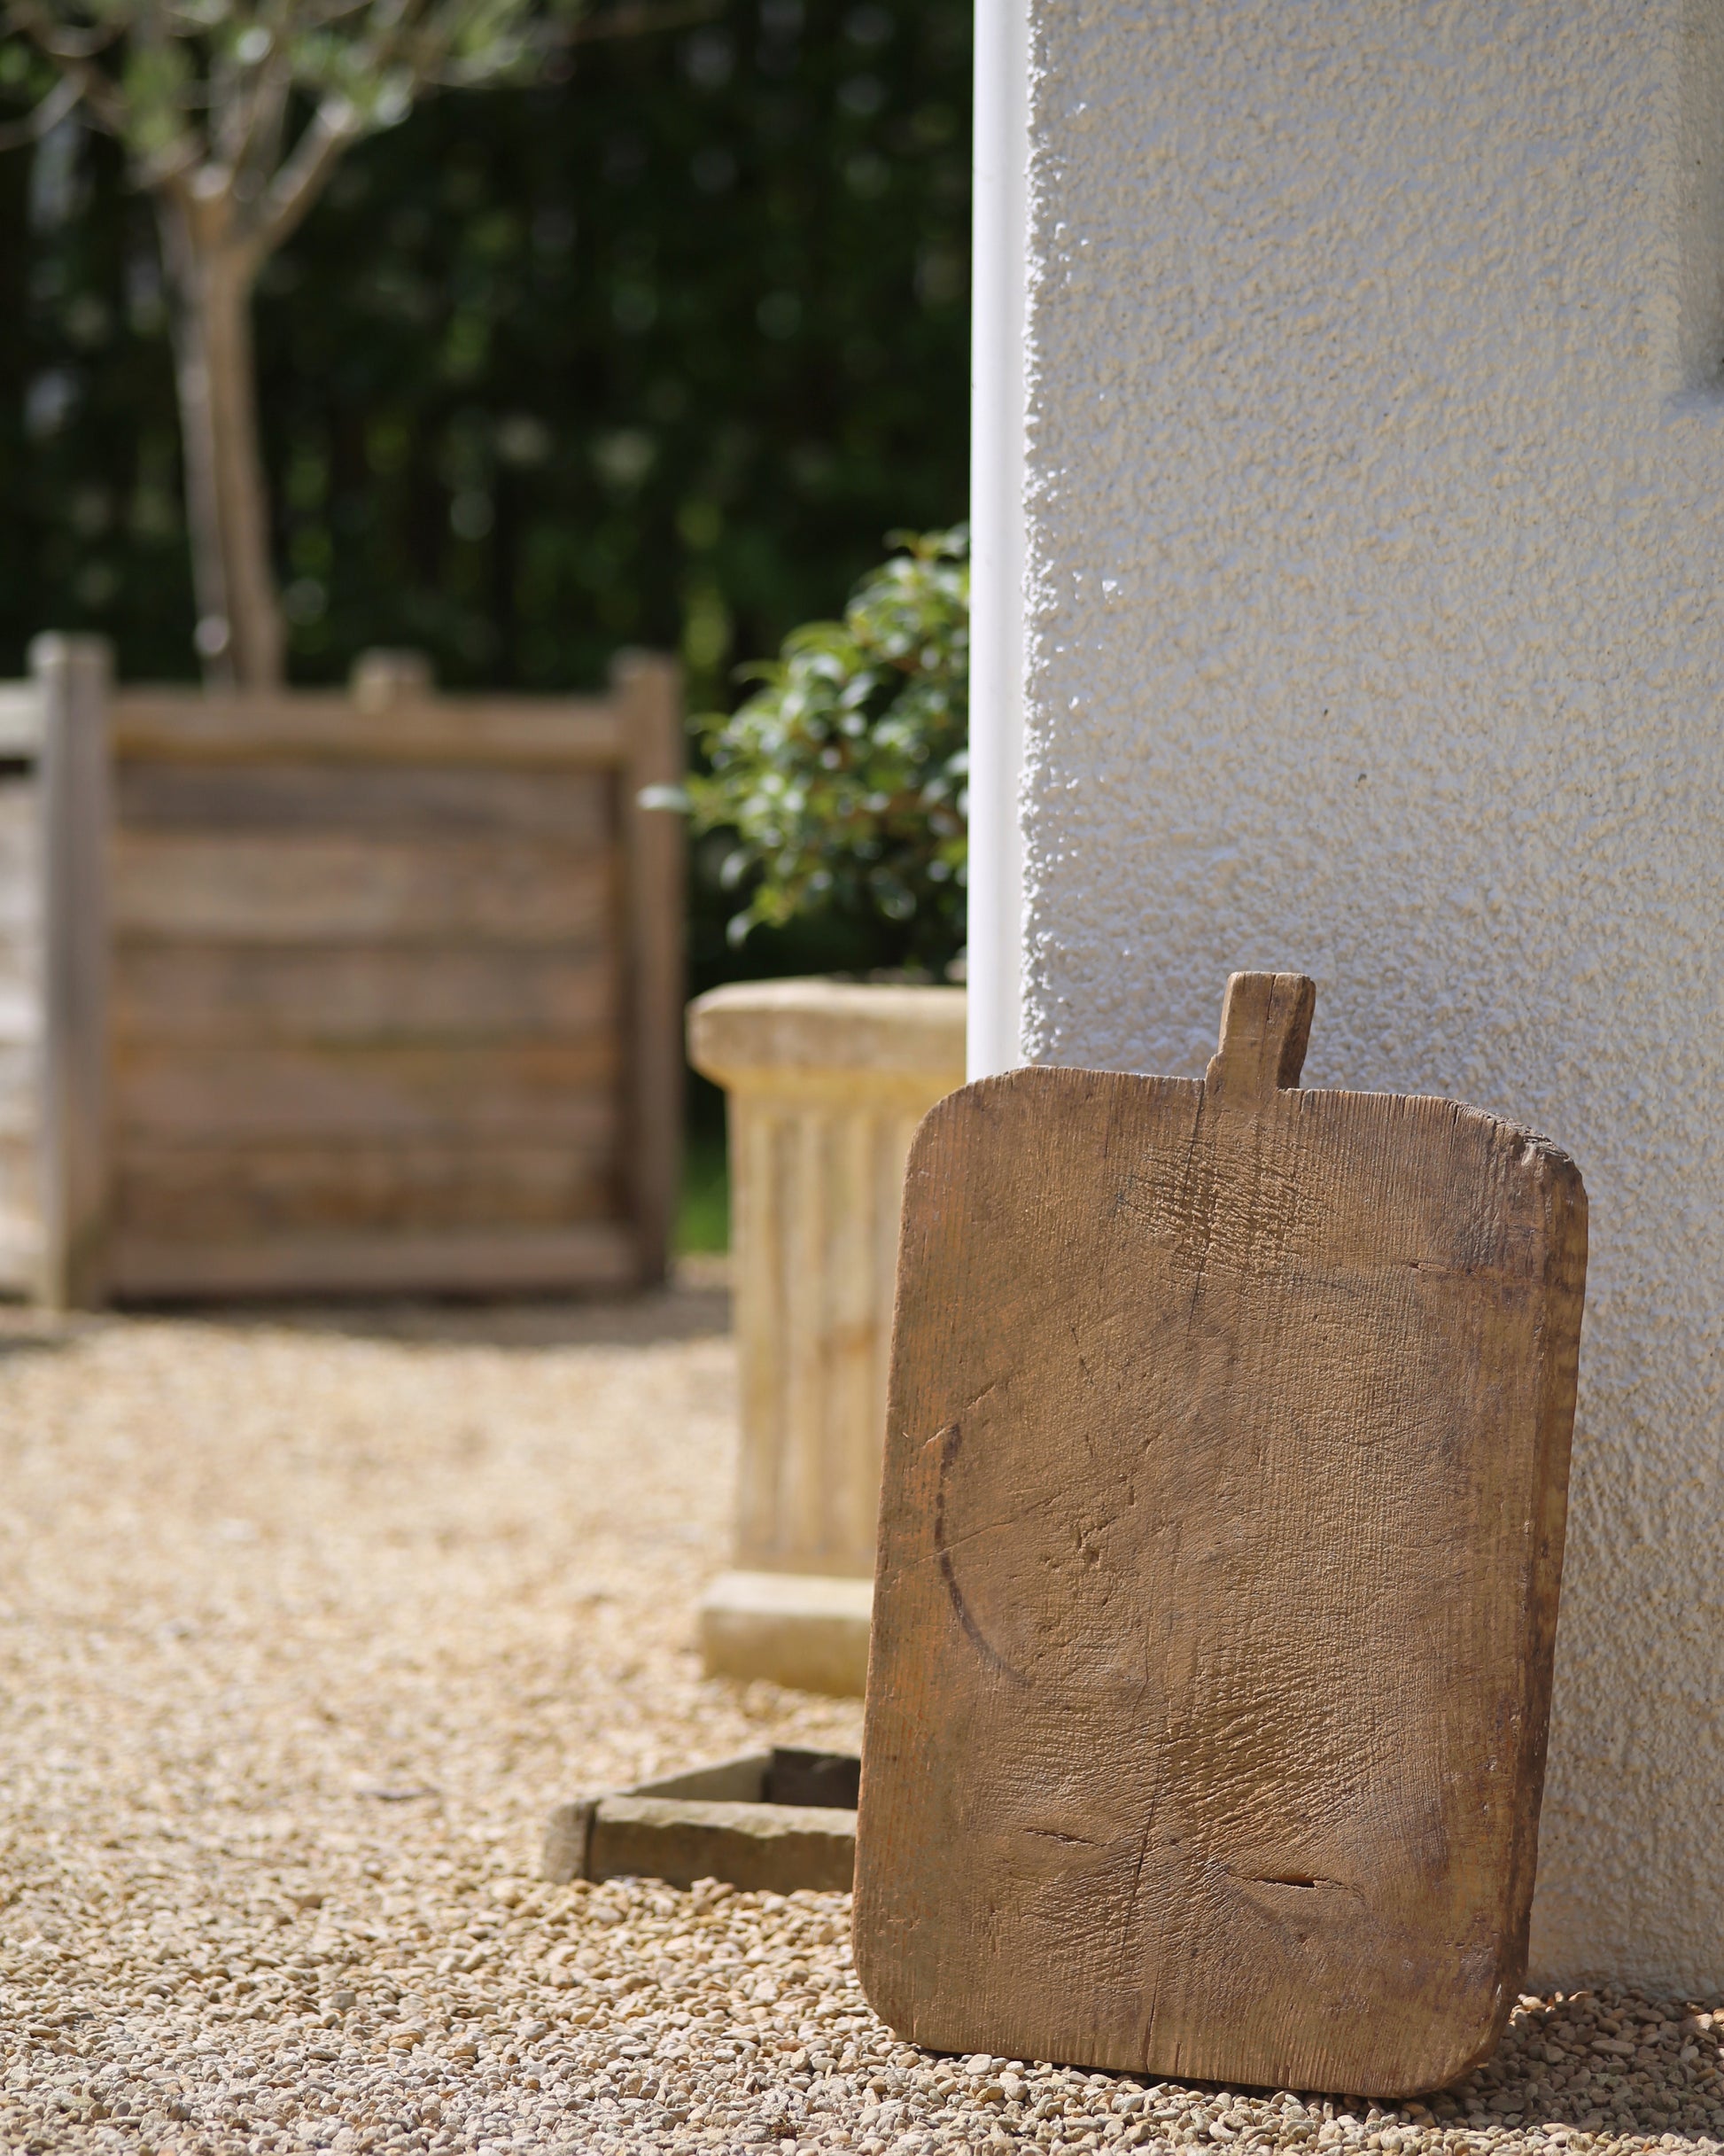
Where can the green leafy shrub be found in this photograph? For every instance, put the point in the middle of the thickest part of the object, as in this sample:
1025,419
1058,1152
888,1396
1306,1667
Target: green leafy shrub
844,777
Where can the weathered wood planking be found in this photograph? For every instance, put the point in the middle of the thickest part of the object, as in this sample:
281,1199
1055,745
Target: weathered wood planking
534,734
541,1090
75,810
301,887
257,995
339,992
650,697
20,1028
19,901
595,1255
20,723
231,1192
1221,1535
569,808
379,975
18,1108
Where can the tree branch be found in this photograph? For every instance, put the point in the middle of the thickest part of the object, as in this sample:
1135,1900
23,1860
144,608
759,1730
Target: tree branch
107,106
266,117
61,43
335,126
54,107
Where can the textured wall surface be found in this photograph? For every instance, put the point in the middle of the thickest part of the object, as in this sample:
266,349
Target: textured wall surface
1376,481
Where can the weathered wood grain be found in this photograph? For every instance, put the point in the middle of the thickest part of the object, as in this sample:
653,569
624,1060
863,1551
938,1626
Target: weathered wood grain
259,995
18,1091
650,697
591,1255
208,885
759,1847
1220,1543
20,723
72,676
20,898
18,1210
771,1822
329,969
573,808
20,1006
166,725
20,909
531,1092
236,1193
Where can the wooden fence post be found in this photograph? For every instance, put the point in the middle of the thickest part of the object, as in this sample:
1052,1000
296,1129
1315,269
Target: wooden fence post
380,679
74,674
650,690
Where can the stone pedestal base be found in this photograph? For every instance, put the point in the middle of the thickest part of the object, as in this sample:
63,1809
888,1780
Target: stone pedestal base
799,1629
826,1083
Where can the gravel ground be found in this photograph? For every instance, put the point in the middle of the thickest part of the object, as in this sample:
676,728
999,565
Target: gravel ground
306,1621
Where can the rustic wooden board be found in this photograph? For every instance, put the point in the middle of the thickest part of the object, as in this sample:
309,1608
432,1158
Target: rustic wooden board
21,913
19,898
575,808
537,1091
205,885
650,697
1220,1542
535,733
770,1821
253,995
595,1255
18,1090
75,818
337,973
759,1847
233,1193
20,722
20,1016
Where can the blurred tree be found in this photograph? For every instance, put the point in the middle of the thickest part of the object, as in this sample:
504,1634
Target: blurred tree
656,352
233,115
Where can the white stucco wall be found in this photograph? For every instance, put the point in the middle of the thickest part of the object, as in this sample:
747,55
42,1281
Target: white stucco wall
1375,509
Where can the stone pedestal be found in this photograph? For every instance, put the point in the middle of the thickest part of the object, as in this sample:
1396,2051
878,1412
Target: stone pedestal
827,1082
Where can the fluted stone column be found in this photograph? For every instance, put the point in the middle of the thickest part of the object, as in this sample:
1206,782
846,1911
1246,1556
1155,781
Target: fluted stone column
827,1082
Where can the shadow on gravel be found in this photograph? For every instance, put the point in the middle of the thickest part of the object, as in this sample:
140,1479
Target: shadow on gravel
681,1312
25,1331
1605,2072
1604,2065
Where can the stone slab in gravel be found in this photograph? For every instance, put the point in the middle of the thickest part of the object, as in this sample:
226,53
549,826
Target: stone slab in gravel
306,1623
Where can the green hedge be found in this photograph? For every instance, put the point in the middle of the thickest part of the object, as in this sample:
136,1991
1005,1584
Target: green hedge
659,354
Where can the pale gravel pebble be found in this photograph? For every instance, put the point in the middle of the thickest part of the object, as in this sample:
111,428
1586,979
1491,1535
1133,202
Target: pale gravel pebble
307,1622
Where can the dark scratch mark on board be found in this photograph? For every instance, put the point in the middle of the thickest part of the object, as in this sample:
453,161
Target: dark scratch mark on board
949,1440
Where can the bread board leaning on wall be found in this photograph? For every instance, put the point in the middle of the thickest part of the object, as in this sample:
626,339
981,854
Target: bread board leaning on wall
1221,1535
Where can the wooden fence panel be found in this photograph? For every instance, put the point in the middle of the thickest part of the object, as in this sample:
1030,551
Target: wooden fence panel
72,1070
389,992
259,995
650,701
21,989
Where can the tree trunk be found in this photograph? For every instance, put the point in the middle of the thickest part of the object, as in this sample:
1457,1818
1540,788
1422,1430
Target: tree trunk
240,623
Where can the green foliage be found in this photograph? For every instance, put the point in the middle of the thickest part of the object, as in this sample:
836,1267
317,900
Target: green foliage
655,353
210,84
703,1209
843,778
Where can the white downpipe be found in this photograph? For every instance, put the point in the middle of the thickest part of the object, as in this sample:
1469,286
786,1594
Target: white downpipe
996,479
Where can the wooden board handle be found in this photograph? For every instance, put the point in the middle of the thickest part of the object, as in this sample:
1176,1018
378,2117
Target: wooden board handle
1265,1024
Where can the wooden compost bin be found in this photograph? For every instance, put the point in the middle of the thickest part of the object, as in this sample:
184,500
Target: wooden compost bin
21,989
375,993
